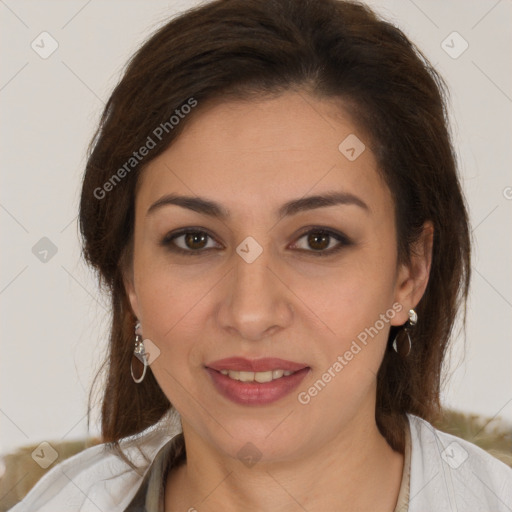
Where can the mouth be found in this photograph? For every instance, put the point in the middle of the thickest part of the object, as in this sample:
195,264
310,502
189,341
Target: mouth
257,381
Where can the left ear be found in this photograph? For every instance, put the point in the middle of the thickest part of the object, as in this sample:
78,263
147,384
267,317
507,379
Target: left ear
412,278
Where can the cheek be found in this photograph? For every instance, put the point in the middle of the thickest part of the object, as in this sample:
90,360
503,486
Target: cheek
355,306
354,296
166,291
163,297
169,305
358,311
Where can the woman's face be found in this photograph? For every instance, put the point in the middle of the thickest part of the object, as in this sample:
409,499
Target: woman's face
263,281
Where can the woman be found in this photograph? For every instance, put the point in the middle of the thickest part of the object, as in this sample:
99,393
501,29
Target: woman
272,201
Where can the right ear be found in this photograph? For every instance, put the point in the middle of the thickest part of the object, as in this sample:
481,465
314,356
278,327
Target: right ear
129,287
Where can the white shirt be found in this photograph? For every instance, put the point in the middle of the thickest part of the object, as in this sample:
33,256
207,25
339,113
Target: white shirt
447,474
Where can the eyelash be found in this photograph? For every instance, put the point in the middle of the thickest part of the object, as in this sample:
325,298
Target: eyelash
340,237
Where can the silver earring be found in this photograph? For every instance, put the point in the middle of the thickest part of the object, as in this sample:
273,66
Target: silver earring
413,320
140,353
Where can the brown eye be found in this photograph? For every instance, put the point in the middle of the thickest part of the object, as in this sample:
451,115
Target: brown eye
322,242
193,242
318,241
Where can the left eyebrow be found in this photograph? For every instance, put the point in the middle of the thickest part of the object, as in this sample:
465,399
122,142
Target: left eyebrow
321,201
208,207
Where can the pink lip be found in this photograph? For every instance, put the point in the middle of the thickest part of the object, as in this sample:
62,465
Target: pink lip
256,393
255,365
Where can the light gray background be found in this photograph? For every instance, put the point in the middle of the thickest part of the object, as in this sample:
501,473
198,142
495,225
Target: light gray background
54,321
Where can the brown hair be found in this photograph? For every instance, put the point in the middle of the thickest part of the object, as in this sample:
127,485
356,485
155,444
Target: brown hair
244,48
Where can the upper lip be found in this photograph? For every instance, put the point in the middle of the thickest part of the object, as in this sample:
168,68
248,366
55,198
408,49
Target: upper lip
255,365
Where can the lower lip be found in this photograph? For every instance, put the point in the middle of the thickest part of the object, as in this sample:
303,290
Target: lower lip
256,393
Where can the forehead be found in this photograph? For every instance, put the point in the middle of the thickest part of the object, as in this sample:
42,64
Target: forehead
249,154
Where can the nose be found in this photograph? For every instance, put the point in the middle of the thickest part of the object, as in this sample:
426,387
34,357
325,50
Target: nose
256,302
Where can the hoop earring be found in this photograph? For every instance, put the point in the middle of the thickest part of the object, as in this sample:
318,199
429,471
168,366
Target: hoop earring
140,353
413,320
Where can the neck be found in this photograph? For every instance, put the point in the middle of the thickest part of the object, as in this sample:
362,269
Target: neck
356,470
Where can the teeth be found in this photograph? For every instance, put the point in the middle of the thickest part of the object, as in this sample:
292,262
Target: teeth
246,376
276,374
256,376
263,376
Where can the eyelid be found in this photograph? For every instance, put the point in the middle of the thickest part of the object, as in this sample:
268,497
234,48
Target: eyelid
343,240
168,239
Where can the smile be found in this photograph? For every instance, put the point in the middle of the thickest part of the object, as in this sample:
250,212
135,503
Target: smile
256,376
257,381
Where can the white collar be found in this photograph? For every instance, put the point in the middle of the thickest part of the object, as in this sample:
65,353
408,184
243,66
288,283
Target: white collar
447,474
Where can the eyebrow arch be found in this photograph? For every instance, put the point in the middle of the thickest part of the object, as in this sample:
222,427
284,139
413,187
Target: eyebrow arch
213,209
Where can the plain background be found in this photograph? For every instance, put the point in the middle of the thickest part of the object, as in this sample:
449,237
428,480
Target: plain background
54,321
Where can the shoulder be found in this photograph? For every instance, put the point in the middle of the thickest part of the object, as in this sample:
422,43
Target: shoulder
97,478
449,473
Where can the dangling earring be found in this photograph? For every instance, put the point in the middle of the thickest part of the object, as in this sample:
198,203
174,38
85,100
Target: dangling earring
413,320
140,353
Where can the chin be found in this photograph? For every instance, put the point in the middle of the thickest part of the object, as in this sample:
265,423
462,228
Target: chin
258,440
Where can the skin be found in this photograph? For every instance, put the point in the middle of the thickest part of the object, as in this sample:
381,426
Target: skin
251,157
